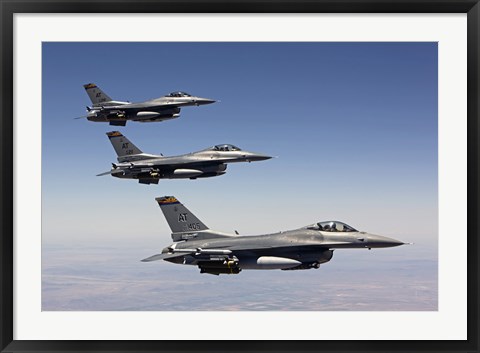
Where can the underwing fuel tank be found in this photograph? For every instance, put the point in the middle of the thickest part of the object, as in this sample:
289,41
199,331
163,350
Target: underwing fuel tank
147,115
269,263
194,173
186,173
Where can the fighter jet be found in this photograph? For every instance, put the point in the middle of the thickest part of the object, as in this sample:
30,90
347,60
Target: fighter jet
149,168
216,253
104,109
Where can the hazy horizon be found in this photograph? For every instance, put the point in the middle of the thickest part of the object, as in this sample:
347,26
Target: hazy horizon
114,279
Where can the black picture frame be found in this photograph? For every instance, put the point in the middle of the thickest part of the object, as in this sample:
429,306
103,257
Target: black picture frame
10,7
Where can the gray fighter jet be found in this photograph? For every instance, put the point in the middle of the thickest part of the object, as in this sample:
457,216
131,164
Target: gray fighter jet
215,253
149,168
104,109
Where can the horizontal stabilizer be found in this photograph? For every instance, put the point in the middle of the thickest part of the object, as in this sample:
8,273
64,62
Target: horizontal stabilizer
161,257
113,171
105,173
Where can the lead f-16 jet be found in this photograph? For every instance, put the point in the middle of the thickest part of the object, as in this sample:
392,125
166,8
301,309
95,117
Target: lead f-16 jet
104,109
215,252
149,168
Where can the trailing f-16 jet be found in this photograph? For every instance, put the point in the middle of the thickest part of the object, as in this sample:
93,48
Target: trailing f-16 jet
215,252
104,109
149,168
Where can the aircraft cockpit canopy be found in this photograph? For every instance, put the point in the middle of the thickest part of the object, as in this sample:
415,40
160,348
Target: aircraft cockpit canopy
332,226
178,94
226,147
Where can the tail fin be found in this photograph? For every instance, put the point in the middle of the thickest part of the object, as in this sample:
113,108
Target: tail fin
122,145
179,218
97,96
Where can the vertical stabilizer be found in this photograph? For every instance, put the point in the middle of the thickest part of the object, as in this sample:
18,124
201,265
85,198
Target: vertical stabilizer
179,218
97,96
122,145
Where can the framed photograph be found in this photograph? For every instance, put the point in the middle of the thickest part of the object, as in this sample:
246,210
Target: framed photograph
352,226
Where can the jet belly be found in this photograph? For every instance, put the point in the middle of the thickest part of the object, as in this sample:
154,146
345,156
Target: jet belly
175,167
272,251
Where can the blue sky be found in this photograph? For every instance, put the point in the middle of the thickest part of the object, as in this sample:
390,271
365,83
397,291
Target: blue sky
354,126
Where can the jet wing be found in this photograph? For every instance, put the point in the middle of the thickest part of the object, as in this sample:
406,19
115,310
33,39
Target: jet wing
141,106
183,252
184,161
181,160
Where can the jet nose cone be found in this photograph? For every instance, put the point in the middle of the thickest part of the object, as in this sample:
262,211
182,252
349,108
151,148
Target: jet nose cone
258,157
203,101
262,157
378,241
